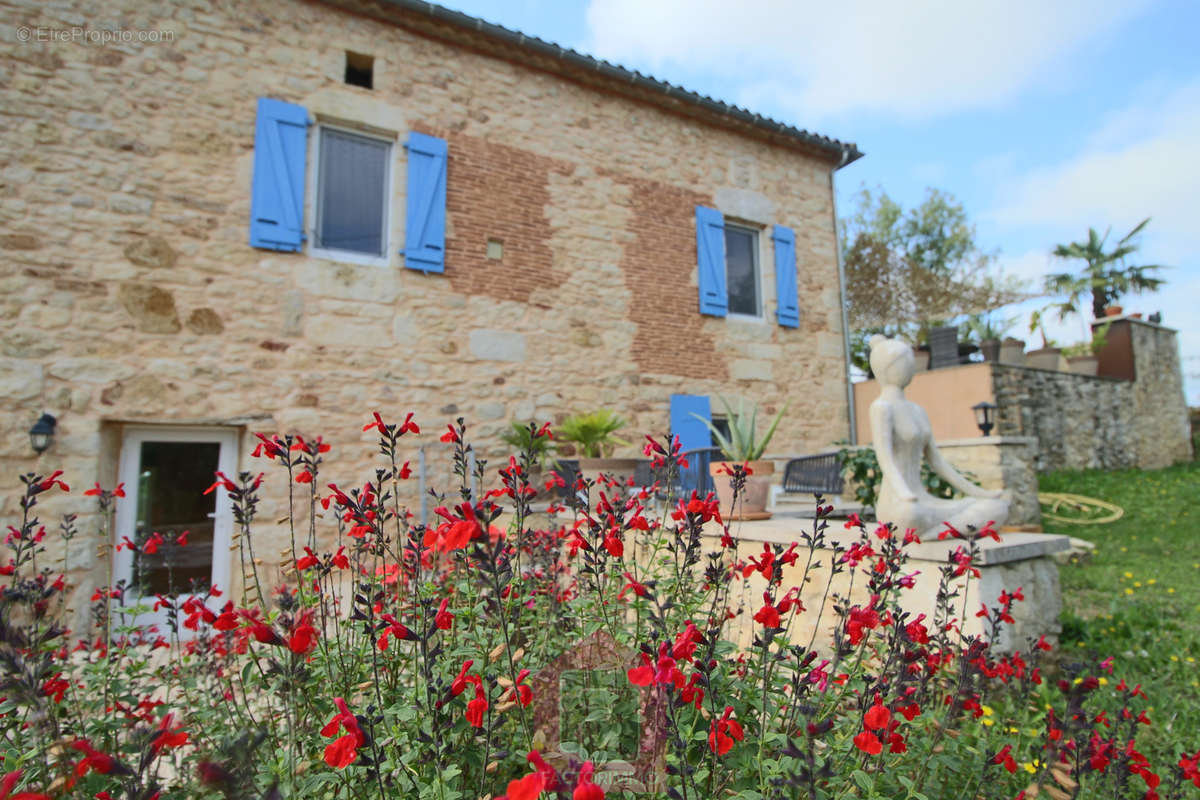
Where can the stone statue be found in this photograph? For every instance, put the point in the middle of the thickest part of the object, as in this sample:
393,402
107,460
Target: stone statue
902,435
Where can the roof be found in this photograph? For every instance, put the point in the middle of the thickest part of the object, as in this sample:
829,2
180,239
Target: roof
463,29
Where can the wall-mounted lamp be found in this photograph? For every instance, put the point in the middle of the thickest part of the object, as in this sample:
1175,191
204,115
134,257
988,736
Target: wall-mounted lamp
985,416
42,432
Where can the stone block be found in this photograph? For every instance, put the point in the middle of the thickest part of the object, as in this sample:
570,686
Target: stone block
20,380
750,369
205,321
90,370
153,251
496,345
152,308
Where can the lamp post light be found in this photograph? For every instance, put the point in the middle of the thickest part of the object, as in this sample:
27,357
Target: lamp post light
985,416
42,433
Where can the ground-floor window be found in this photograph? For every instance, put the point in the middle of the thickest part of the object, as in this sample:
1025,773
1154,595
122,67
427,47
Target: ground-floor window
166,471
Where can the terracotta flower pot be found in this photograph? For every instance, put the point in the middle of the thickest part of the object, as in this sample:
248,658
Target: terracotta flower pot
753,503
1113,311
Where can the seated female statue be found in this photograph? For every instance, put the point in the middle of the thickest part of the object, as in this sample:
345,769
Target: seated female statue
902,435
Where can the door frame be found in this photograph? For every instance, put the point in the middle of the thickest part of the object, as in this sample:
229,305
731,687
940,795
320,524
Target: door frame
132,438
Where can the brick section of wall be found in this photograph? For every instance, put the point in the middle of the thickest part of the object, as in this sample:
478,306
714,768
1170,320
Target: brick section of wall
658,267
498,192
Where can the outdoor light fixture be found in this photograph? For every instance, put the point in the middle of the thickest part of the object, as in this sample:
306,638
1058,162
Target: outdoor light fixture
985,416
42,433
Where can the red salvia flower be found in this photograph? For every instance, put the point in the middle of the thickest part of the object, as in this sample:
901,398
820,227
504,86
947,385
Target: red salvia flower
9,782
304,636
869,743
168,735
585,789
443,619
1005,758
877,717
723,733
527,788
342,752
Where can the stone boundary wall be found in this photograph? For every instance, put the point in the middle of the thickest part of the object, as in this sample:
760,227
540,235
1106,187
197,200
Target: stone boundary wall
1085,422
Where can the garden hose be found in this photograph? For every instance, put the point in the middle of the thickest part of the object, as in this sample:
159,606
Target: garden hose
1053,502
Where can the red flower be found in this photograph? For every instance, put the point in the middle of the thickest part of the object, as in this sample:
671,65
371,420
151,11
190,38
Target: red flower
55,687
443,619
869,743
1005,758
409,426
342,751
524,693
768,615
527,788
304,637
9,781
405,472
181,540
638,589
475,709
724,732
304,477
308,561
585,789
451,435
93,759
150,547
377,423
877,717
643,675
226,620
614,546
53,481
168,736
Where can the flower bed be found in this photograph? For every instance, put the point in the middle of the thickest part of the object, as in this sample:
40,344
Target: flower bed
401,660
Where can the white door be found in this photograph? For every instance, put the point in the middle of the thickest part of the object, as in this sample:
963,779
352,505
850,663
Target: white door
166,471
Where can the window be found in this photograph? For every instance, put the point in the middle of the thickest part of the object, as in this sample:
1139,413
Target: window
360,70
352,193
166,472
741,270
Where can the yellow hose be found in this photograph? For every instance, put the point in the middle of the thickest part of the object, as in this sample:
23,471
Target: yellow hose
1053,502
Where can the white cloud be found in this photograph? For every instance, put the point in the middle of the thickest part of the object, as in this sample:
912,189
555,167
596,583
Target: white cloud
1144,162
807,60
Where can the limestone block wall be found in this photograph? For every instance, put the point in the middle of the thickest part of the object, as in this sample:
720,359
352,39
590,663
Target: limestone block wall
129,293
1001,462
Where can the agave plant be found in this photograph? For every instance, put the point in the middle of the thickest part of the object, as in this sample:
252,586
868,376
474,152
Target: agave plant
742,443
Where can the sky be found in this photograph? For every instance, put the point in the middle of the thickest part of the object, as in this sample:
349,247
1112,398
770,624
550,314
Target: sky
1042,118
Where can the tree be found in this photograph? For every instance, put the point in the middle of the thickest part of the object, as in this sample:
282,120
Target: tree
1106,276
908,270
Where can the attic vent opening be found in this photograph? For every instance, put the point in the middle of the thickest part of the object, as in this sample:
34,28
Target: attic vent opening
360,70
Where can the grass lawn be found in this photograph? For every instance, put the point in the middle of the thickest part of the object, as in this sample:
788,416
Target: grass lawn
1137,598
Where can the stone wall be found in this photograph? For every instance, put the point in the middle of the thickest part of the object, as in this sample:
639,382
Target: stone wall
1001,462
130,294
1084,422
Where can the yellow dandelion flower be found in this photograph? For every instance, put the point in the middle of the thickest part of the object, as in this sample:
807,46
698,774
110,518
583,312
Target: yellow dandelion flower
1191,660
1152,581
1174,658
1128,574
1124,549
1103,681
1170,590
1128,591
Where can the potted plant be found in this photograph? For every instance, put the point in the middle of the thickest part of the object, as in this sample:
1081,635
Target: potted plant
1049,354
593,434
743,447
1083,357
988,332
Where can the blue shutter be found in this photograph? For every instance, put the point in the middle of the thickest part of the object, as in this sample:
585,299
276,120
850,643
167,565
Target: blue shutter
710,255
693,434
425,228
280,153
787,296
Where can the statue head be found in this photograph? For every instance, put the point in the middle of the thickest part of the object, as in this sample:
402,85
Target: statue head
892,361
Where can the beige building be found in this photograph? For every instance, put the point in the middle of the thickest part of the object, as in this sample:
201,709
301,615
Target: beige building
282,216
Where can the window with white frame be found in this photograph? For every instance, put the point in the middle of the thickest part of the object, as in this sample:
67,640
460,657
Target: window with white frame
166,471
353,177
741,270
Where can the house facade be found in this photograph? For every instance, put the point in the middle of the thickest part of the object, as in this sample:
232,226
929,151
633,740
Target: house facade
242,216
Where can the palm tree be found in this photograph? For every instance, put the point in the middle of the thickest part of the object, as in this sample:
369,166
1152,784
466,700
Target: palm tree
1106,276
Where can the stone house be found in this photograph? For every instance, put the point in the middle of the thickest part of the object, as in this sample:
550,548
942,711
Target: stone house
242,216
